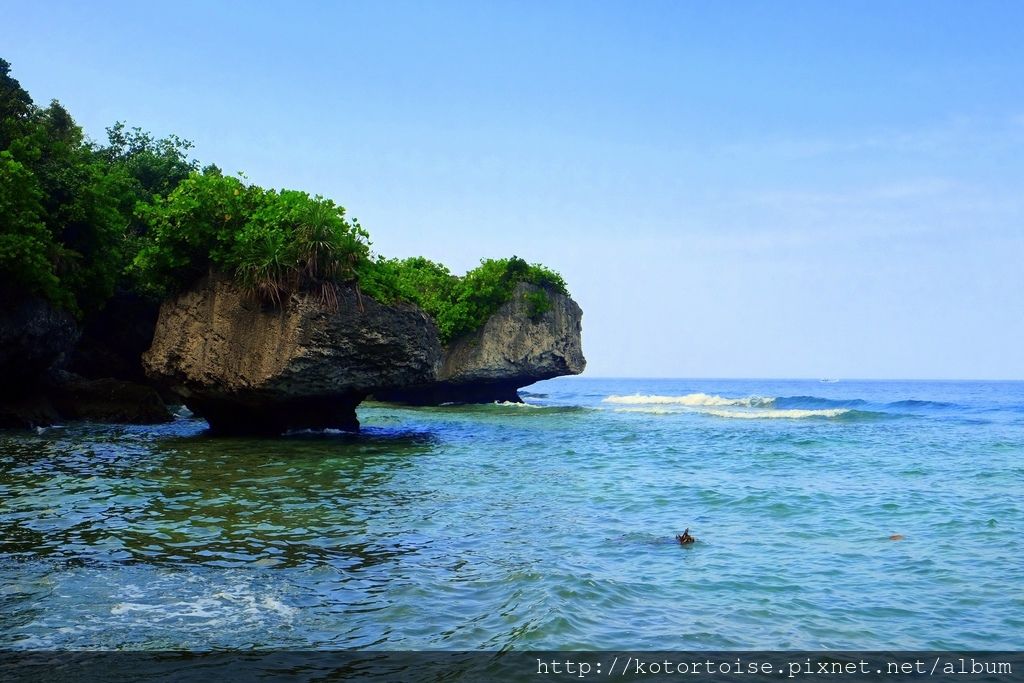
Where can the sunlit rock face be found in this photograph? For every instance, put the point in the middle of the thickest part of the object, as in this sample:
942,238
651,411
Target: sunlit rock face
249,368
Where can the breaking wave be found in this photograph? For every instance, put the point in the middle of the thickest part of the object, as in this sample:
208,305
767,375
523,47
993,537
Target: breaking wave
749,414
790,414
793,407
698,399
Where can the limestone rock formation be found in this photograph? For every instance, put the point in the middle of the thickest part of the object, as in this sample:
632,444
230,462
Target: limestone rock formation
247,368
517,346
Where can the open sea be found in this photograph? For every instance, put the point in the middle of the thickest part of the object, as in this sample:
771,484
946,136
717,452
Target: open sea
547,525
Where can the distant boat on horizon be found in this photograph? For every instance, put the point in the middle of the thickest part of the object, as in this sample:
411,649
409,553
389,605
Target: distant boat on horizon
828,381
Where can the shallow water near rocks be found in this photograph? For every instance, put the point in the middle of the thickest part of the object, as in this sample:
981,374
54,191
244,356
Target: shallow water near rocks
548,525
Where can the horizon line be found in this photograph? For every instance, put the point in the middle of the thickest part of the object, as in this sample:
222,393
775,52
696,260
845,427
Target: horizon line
825,380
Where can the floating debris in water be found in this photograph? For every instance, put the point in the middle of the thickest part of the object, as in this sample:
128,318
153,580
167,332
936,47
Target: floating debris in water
685,538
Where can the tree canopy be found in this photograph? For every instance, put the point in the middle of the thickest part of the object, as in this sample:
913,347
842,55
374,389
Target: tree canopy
67,205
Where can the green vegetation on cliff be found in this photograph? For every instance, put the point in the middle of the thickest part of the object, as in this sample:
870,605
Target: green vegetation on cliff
79,220
459,304
273,243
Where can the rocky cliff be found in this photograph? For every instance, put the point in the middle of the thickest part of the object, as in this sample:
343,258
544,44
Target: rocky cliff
36,342
521,343
247,368
34,336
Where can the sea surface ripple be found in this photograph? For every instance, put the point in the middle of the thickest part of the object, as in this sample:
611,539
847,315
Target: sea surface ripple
547,525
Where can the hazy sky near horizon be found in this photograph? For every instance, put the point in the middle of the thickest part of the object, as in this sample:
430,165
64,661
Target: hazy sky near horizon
743,189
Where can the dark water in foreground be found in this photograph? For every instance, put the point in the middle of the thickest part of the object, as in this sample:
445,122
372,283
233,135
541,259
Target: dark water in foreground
547,526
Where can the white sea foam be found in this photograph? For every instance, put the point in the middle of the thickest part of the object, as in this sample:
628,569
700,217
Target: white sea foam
511,404
793,414
698,399
125,607
743,412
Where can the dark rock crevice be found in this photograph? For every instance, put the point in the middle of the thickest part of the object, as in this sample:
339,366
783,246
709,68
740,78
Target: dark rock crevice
276,416
440,393
36,342
34,336
114,339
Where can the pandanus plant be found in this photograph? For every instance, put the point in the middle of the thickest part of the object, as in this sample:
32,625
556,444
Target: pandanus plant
317,242
295,243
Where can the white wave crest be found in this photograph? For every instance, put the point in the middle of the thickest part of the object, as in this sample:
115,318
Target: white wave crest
698,399
794,414
740,413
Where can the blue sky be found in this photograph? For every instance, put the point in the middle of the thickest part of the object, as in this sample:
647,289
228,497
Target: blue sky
743,189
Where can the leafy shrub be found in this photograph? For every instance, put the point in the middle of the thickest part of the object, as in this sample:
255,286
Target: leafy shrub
273,243
151,166
537,304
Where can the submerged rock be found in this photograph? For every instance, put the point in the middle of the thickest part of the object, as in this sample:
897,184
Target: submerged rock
61,395
521,343
27,409
105,400
247,368
36,342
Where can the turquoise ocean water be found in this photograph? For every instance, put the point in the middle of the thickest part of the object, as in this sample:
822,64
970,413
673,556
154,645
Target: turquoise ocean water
547,525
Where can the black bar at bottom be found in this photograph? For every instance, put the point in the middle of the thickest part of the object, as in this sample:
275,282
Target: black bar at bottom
536,666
